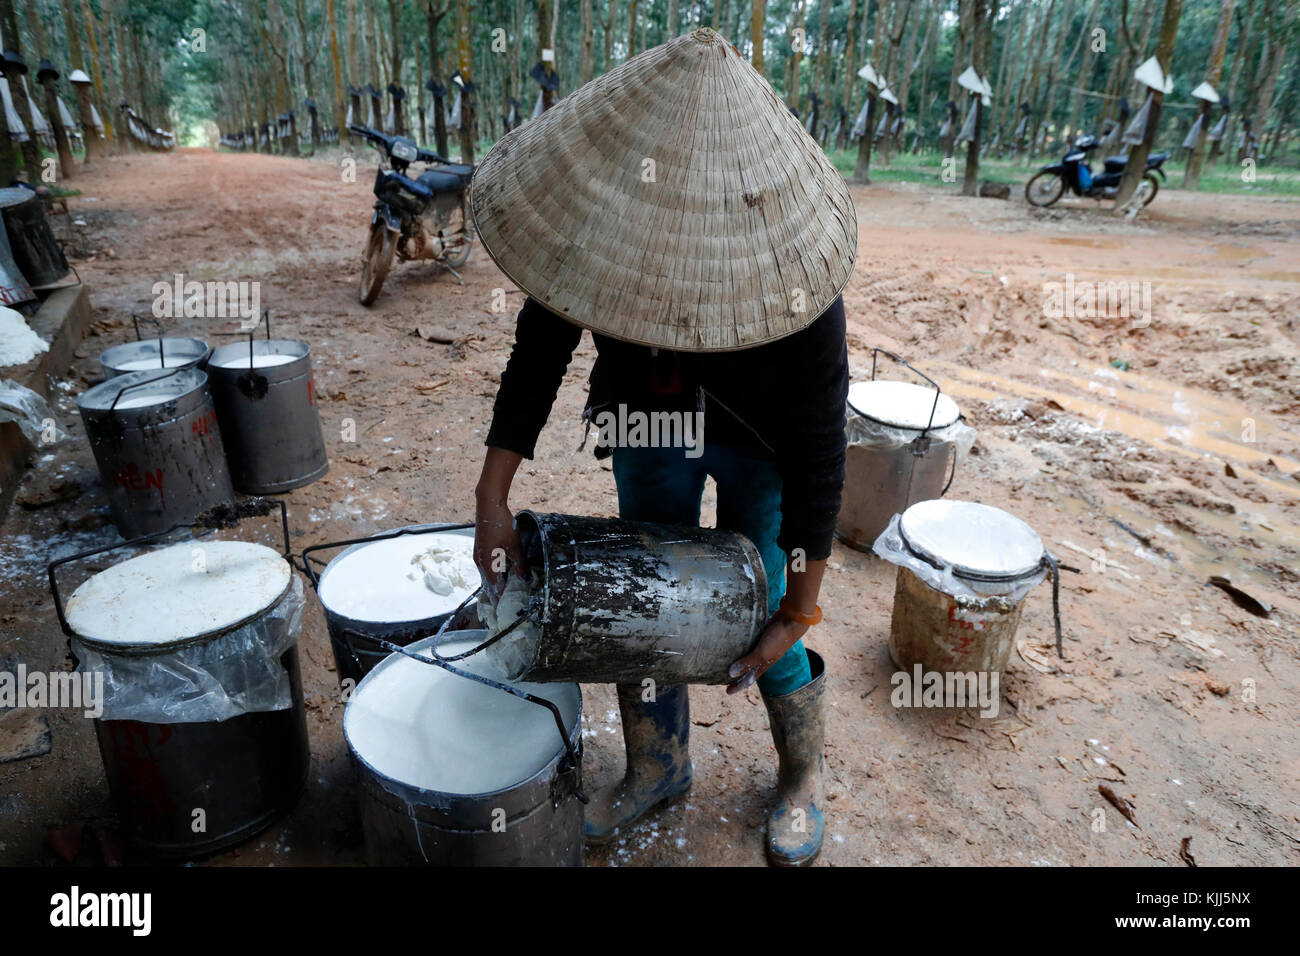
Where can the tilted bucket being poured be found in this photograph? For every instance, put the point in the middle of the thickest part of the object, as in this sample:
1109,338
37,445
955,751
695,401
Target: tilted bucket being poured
620,601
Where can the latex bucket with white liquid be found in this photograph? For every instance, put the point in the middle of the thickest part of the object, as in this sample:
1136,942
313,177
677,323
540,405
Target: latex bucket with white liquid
158,447
621,601
373,591
456,773
203,731
267,407
964,572
154,355
900,450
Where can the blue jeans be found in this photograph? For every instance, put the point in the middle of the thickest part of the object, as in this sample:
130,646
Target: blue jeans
662,485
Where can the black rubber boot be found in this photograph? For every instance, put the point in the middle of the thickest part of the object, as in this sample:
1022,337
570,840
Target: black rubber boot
797,823
655,735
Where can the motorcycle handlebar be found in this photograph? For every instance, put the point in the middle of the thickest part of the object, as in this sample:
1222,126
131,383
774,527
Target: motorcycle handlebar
422,156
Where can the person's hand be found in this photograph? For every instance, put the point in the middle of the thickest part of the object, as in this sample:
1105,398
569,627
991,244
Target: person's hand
778,636
496,546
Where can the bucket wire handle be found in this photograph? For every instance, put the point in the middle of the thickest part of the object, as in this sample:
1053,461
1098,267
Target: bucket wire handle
915,371
221,516
572,760
529,609
135,320
149,381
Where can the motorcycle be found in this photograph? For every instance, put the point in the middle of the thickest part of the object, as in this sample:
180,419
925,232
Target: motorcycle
416,218
1049,184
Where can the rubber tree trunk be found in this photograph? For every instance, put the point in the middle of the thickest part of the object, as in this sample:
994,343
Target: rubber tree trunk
1195,162
1136,166
88,132
56,123
433,14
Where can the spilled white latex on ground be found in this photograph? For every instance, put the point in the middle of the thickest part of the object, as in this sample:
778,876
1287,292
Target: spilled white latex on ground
421,725
18,343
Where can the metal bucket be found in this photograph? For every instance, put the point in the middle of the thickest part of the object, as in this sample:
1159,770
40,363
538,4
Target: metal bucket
154,355
268,414
158,448
989,551
622,600
36,251
187,788
353,635
534,821
902,463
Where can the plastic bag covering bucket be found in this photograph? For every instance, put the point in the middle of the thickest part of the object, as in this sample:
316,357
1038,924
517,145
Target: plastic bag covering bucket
904,444
456,773
154,355
268,415
622,600
367,581
203,704
158,448
964,572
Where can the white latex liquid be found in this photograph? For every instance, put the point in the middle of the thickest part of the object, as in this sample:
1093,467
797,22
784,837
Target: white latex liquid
265,360
139,401
511,656
139,365
421,725
407,578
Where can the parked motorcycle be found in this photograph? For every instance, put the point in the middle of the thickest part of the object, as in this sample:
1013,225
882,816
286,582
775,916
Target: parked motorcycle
416,218
1049,184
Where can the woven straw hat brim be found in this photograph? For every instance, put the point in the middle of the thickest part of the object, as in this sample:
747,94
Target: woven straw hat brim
674,202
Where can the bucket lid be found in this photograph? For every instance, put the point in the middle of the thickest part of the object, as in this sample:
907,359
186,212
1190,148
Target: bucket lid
267,353
427,728
162,387
975,540
178,593
378,581
902,404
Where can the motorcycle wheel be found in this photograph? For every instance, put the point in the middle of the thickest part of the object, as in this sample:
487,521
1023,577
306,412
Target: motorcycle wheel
1044,189
1155,186
376,262
459,228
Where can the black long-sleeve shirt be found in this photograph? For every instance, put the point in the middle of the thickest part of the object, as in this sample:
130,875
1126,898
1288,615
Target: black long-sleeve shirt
784,399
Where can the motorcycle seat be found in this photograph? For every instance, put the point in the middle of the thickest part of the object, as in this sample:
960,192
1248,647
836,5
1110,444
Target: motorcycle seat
1115,164
457,168
1156,159
442,182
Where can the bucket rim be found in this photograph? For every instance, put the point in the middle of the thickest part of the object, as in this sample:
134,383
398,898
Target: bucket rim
415,529
186,382
575,735
300,350
152,648
927,553
946,412
115,353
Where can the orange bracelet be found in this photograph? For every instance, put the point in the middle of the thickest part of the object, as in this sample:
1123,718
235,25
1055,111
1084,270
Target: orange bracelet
807,620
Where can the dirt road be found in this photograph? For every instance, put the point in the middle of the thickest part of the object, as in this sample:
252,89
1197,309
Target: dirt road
1150,451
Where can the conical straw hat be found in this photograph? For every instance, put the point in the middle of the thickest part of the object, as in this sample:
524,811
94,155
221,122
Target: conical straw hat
672,202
